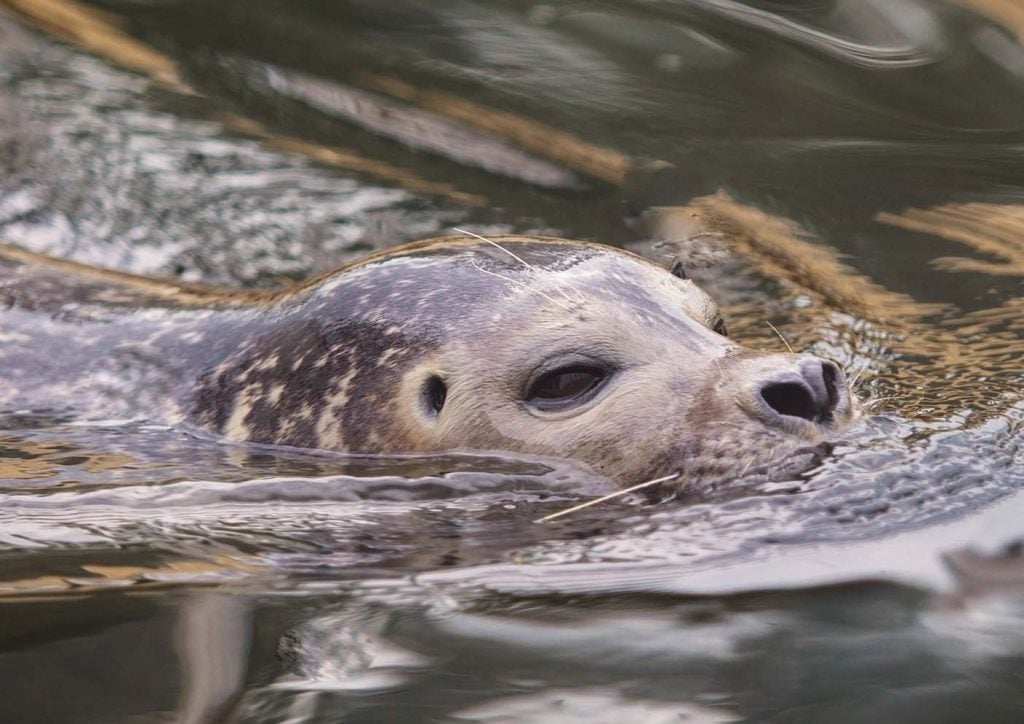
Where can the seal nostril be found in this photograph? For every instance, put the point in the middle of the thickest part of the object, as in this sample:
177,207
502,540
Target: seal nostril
791,398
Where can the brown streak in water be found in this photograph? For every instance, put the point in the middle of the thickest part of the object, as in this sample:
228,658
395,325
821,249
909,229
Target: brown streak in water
979,352
993,229
1007,13
98,33
1010,313
781,249
352,161
36,460
135,288
601,163
127,288
97,578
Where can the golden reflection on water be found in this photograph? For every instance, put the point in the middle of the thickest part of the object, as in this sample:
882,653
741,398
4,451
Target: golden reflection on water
601,163
99,33
351,161
89,578
1008,13
993,229
33,460
779,248
977,355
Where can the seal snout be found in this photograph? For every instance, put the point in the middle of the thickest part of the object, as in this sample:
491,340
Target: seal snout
814,391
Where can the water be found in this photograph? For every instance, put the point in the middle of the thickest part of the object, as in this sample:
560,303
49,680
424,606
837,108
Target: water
855,169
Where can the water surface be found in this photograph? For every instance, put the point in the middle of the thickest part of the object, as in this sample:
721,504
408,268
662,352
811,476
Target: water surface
858,168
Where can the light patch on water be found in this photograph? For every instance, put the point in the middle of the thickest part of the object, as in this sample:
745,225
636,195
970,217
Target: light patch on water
584,706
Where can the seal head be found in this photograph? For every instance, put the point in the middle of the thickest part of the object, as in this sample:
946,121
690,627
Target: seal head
527,344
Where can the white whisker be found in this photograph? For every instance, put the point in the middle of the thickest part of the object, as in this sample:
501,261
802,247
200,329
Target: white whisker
496,245
603,498
524,285
780,337
516,257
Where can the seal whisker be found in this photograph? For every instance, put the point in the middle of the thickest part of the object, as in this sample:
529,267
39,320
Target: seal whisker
603,498
498,246
750,464
781,337
521,284
516,257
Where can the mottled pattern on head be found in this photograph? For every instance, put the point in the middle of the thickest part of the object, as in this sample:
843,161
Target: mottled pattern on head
325,365
346,363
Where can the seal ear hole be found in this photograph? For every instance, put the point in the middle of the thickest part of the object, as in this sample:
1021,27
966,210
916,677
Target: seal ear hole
435,392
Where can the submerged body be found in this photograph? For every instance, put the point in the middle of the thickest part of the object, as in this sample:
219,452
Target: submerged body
526,344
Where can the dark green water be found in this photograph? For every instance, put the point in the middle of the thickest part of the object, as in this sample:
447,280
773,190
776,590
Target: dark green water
871,153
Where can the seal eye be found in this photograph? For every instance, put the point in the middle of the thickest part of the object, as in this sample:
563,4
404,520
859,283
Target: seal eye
719,327
566,387
435,392
678,270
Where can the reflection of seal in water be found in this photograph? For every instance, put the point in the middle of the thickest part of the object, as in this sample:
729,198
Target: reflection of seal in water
538,345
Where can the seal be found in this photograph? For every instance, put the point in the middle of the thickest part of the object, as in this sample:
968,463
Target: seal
526,344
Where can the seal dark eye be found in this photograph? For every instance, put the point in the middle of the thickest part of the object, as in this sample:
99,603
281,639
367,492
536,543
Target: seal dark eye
566,387
720,327
435,392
